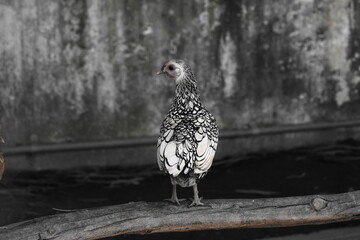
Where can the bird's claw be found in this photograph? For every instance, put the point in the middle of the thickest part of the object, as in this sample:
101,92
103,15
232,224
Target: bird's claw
197,202
175,200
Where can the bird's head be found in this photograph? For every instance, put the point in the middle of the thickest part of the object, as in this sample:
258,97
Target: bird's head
175,69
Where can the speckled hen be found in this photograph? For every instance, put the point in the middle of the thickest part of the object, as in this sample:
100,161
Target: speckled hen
188,135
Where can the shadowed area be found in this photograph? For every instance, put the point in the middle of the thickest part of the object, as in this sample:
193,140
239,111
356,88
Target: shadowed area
301,171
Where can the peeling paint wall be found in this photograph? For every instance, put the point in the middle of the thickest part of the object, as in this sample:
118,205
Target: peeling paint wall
85,70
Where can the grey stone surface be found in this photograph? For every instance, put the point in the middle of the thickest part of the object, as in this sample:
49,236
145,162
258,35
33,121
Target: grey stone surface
85,70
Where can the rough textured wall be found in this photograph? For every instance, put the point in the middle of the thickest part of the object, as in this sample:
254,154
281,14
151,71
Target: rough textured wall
85,70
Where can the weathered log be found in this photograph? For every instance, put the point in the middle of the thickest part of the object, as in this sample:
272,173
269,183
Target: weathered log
152,217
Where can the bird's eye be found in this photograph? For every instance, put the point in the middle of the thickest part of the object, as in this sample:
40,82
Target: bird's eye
171,67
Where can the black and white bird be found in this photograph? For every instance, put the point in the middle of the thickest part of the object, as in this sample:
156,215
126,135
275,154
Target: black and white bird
188,135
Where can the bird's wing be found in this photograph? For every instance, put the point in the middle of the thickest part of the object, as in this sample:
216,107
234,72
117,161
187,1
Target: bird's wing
206,137
175,151
188,146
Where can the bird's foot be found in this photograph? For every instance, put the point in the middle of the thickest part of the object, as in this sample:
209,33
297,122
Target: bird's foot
196,202
175,200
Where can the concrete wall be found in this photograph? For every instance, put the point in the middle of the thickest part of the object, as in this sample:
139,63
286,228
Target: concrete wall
85,70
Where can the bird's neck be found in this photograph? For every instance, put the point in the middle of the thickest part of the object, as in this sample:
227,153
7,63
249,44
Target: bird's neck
186,95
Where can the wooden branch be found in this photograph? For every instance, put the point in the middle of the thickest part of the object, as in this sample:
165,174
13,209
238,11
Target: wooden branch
146,218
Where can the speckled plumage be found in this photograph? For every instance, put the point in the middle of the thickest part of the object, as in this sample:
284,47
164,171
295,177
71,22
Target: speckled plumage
189,133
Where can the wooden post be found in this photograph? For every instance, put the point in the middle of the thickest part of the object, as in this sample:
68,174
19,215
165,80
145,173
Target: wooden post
154,217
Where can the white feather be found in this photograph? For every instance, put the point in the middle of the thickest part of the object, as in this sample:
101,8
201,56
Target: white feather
160,160
205,155
172,161
198,136
162,148
168,134
203,145
170,149
173,164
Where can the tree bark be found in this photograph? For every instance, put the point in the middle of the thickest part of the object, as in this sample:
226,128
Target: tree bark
154,217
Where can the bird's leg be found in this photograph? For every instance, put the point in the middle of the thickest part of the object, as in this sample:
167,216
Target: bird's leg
196,201
174,198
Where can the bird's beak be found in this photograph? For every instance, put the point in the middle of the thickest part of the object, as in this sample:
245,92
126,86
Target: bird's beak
162,69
